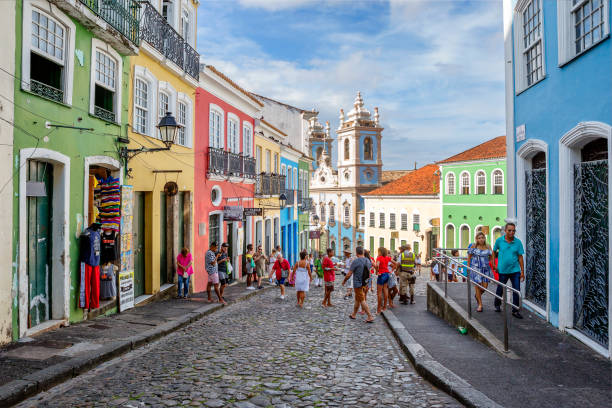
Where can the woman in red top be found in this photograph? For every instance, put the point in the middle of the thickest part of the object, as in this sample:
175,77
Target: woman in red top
382,267
282,268
329,275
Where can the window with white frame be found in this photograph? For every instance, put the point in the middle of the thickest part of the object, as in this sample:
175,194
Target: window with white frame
268,158
465,183
481,182
46,64
247,142
275,169
322,212
392,221
258,159
215,134
532,42
105,88
181,119
164,104
498,182
141,106
295,179
332,213
450,183
233,143
372,220
416,222
347,214
381,220
186,26
168,11
581,24
404,222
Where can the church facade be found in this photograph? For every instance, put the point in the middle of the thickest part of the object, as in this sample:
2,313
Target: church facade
337,192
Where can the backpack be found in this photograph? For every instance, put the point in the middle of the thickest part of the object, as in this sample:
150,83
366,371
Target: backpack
365,274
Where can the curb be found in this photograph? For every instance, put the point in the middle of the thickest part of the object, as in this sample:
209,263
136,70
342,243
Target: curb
435,372
16,391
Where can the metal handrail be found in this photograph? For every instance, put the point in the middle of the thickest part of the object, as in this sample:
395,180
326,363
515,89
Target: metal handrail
442,259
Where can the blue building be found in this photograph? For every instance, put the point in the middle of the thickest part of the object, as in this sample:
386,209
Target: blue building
559,125
289,220
336,193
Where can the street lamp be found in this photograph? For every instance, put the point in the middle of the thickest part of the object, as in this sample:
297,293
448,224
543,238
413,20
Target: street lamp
167,134
282,200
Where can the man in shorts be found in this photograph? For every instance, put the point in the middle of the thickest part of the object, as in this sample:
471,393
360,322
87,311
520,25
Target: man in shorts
260,265
329,276
213,273
359,265
347,266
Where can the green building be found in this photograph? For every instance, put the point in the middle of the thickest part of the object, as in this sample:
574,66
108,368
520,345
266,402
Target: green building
71,96
473,194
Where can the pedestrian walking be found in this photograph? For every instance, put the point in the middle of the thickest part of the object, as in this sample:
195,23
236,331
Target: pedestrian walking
407,274
184,270
509,251
347,266
223,265
392,287
271,261
360,266
366,254
317,269
250,266
383,261
329,276
211,266
281,268
260,260
479,258
417,263
302,275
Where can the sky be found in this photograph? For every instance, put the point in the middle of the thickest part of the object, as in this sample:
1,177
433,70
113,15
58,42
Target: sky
434,68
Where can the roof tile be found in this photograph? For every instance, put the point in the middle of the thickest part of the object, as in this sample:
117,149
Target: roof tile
421,181
491,149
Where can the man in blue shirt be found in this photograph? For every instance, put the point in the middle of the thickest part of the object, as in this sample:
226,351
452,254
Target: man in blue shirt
509,252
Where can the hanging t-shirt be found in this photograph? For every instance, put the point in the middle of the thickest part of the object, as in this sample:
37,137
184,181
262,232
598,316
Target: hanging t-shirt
110,247
90,247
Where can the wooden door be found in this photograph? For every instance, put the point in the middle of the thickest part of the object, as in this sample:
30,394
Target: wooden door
138,241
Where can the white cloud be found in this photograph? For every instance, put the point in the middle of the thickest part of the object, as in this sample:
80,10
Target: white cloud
434,70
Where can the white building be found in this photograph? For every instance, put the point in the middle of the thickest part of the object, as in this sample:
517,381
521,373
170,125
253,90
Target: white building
404,211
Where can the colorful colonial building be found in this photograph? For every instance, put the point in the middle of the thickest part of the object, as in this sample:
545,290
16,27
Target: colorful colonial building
162,78
473,197
225,168
559,127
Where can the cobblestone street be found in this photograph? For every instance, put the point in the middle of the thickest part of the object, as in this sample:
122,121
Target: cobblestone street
260,352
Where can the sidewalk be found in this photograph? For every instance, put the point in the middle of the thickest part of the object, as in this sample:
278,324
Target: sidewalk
38,363
549,368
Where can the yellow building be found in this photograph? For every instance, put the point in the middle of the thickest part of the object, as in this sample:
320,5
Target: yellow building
269,182
164,77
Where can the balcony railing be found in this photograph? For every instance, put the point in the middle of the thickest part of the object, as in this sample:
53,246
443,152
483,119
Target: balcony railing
157,32
226,163
123,15
46,91
104,114
299,197
307,204
290,196
268,184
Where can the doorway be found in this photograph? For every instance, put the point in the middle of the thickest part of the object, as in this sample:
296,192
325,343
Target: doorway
138,242
39,224
230,250
163,239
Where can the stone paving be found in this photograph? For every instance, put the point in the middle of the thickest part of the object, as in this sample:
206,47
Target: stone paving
263,352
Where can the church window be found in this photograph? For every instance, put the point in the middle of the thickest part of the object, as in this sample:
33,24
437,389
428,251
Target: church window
347,214
332,213
322,212
367,149
319,153
346,149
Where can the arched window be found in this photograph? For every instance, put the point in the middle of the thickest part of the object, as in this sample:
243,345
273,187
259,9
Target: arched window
319,152
347,214
332,213
368,154
465,183
450,183
477,230
450,236
481,182
497,232
465,236
322,212
346,149
498,182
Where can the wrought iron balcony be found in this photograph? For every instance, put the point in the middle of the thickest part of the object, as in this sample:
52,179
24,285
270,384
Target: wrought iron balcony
290,196
46,91
217,161
299,197
277,184
235,164
248,167
307,204
160,34
104,114
268,184
123,15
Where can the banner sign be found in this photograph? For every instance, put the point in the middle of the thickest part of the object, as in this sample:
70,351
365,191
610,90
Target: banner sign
126,272
253,212
395,234
314,234
232,213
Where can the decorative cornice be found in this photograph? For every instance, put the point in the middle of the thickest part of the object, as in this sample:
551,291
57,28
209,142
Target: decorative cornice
531,147
586,131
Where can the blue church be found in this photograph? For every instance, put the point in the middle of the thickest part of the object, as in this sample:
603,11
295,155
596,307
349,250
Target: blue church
558,58
336,193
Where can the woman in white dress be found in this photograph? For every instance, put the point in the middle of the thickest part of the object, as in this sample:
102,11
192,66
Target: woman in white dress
303,276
